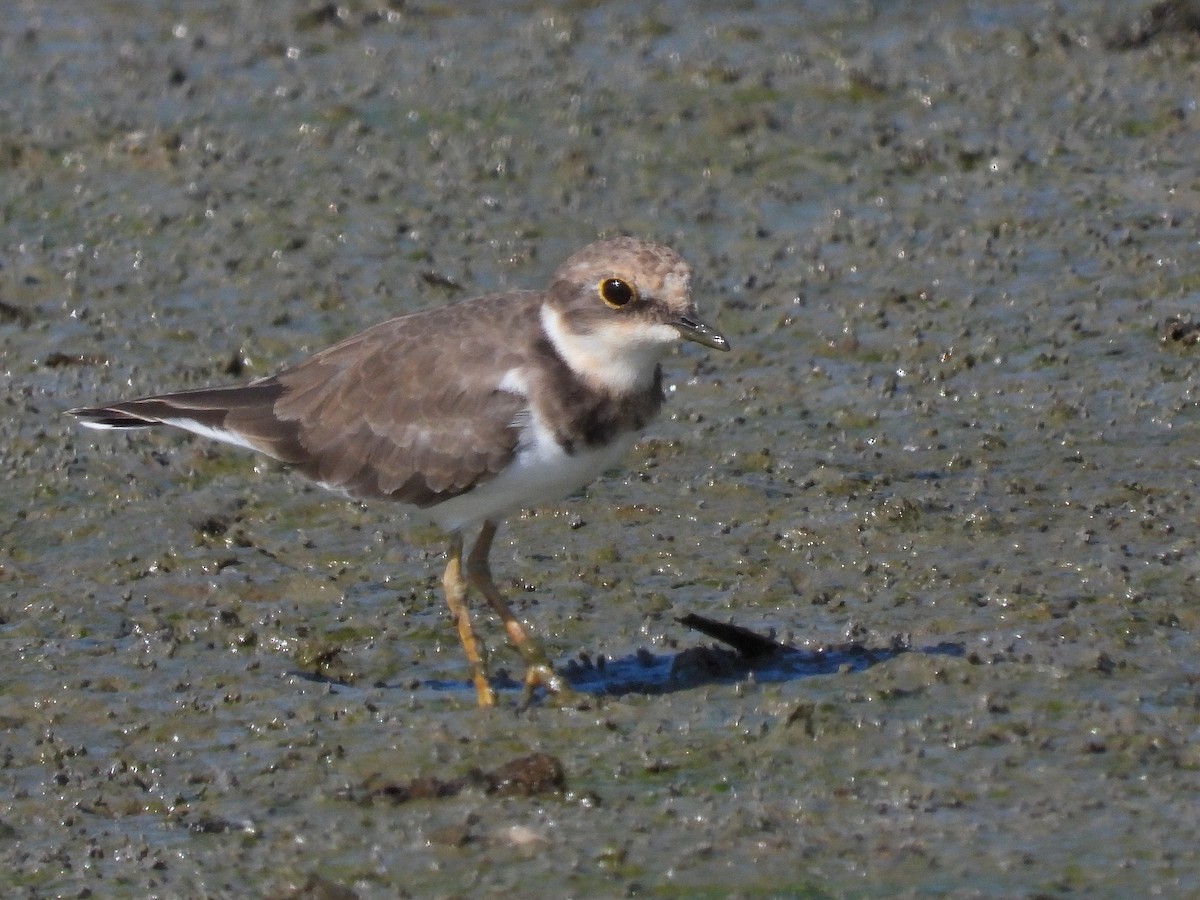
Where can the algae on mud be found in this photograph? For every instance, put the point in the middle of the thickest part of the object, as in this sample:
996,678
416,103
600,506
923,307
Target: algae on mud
943,242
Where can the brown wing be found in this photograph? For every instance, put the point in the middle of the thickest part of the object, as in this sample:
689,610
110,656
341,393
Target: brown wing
411,409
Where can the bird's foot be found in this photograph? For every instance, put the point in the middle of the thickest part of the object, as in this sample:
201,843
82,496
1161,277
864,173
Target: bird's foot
540,674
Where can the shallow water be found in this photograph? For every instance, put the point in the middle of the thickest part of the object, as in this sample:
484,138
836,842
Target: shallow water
941,238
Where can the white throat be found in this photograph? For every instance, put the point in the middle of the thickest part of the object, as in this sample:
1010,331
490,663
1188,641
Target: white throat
620,356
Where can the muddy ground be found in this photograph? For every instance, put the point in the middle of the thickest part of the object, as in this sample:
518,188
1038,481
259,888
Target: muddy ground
944,239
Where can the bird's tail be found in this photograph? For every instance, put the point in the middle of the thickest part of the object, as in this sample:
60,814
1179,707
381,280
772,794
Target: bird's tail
227,414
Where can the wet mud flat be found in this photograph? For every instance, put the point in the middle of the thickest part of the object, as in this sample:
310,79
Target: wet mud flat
954,247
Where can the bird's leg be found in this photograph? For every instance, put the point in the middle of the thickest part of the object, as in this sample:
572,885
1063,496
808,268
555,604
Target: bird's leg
455,587
537,666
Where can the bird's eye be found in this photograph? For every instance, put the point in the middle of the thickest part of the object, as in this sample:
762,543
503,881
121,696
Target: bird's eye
617,292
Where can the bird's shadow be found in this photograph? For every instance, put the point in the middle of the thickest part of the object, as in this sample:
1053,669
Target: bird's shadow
744,653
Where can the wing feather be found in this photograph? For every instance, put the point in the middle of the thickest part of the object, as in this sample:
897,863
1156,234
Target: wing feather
398,411
401,410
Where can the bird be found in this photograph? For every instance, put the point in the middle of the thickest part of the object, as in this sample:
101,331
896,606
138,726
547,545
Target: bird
469,412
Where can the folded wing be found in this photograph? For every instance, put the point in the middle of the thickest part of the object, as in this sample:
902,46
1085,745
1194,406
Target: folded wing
388,413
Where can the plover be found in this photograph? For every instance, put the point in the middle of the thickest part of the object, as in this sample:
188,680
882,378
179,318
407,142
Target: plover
468,412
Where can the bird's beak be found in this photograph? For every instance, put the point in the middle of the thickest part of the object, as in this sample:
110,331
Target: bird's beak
695,330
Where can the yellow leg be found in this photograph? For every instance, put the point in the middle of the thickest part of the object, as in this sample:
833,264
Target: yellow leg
455,588
538,670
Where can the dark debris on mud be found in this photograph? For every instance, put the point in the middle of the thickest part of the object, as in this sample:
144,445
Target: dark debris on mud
524,776
1179,19
1176,330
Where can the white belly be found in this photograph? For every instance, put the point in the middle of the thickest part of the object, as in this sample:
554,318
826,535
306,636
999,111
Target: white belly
541,472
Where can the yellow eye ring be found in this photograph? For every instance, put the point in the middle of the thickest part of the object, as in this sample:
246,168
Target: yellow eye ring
616,292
